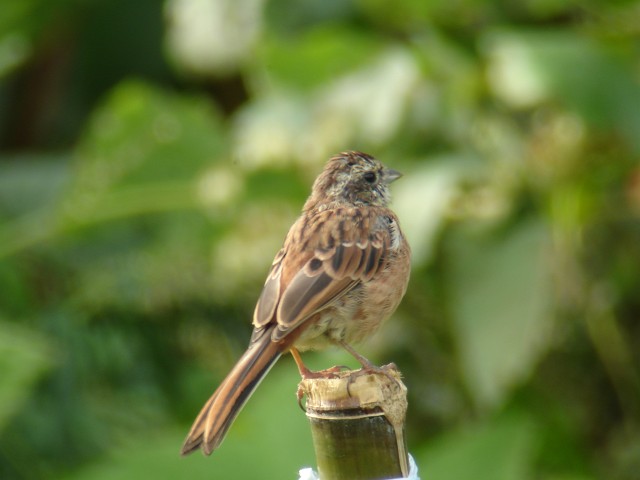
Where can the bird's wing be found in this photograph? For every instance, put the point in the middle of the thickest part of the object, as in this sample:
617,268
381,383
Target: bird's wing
345,254
268,301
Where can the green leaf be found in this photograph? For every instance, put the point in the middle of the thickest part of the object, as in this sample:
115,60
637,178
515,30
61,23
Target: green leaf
500,296
434,185
31,182
500,450
270,439
596,82
321,55
143,151
24,357
21,22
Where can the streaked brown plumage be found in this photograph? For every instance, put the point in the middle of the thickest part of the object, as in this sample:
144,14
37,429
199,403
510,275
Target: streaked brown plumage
342,271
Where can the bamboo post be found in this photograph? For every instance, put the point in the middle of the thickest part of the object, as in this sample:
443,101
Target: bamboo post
357,424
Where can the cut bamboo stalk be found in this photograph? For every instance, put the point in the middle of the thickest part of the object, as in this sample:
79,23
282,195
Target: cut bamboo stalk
357,424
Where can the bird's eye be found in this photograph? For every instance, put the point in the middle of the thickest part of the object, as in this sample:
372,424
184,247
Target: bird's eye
370,177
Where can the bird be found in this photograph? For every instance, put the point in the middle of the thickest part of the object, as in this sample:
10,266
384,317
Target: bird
342,271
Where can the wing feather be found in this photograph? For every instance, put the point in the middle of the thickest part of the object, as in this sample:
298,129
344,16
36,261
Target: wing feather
341,260
268,301
306,295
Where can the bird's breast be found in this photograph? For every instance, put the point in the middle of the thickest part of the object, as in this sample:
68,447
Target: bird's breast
360,312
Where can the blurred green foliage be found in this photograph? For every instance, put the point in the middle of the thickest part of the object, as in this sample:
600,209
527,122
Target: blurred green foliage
153,155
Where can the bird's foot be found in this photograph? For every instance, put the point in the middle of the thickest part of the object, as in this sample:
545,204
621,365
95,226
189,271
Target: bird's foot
369,368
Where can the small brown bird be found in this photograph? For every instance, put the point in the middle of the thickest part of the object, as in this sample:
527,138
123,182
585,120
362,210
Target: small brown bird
342,271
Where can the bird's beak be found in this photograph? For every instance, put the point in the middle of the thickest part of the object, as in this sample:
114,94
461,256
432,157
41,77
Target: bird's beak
390,175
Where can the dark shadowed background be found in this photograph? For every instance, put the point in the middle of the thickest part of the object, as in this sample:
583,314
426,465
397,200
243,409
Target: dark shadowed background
153,155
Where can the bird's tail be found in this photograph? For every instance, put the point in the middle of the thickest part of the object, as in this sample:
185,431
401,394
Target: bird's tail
221,409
